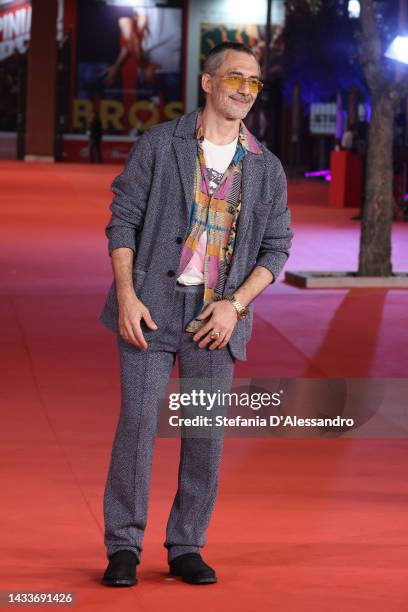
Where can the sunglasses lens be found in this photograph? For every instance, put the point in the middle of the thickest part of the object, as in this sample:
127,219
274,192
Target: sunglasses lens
236,82
233,82
253,86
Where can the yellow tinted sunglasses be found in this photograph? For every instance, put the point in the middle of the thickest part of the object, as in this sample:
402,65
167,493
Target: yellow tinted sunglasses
235,81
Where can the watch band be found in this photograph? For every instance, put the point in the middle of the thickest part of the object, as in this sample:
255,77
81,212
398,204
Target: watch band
241,310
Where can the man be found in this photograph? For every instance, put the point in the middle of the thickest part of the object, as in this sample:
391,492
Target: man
95,139
348,141
199,227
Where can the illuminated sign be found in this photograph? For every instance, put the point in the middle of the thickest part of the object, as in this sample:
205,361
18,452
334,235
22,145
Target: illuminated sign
323,118
15,25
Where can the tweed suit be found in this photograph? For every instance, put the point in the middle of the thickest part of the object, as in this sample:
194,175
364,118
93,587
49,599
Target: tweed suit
150,214
144,376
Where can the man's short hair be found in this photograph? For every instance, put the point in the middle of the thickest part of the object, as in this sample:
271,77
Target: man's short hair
215,56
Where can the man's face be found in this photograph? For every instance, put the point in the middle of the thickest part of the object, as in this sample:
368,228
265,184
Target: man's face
231,103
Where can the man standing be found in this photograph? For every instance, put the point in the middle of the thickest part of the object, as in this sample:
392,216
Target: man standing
95,139
199,227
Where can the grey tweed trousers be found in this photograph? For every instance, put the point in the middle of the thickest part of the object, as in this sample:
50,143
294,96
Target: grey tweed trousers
144,378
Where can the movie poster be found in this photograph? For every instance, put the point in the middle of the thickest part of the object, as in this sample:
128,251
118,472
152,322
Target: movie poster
253,35
15,28
128,65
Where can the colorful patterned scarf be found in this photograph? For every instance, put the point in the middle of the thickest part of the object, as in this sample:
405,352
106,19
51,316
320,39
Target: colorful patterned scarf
216,213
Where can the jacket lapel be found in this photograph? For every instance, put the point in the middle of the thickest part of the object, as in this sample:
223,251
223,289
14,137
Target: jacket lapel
185,146
252,176
186,154
252,172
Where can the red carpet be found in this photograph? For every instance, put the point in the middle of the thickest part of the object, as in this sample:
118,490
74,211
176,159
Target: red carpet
299,524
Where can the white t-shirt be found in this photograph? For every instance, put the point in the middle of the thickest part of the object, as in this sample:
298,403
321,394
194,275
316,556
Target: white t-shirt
217,160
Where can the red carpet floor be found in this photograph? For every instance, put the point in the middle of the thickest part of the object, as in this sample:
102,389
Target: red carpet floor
299,525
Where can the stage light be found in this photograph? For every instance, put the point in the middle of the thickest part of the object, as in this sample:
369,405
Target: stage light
326,174
132,3
398,49
246,12
354,9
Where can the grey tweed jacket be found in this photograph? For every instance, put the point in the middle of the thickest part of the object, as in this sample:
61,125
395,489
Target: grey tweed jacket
151,212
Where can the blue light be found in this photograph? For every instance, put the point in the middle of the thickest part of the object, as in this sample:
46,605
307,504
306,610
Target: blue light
398,49
354,9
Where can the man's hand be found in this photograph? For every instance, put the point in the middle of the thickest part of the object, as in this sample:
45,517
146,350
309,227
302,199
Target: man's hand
131,309
131,312
223,318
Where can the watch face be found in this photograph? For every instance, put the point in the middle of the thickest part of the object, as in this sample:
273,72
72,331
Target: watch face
243,314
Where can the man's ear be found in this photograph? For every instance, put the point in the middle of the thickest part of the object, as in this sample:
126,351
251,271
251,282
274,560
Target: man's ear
206,82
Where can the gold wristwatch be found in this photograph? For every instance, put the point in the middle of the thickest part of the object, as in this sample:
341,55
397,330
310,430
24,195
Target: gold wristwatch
241,310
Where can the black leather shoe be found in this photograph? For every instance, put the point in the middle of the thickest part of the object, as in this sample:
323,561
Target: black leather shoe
192,569
121,570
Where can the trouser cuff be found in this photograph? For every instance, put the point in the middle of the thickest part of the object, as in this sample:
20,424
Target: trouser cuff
113,549
176,551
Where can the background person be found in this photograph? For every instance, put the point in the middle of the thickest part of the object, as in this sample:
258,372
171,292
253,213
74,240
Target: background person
95,139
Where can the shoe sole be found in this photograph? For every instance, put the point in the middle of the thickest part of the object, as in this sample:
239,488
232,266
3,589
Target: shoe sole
173,572
119,583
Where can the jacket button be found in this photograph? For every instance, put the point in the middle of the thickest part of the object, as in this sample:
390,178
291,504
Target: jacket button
171,273
179,240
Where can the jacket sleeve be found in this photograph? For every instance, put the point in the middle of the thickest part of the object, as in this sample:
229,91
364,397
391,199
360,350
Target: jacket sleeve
277,238
131,192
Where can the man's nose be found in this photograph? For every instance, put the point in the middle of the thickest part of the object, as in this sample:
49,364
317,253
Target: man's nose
244,87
